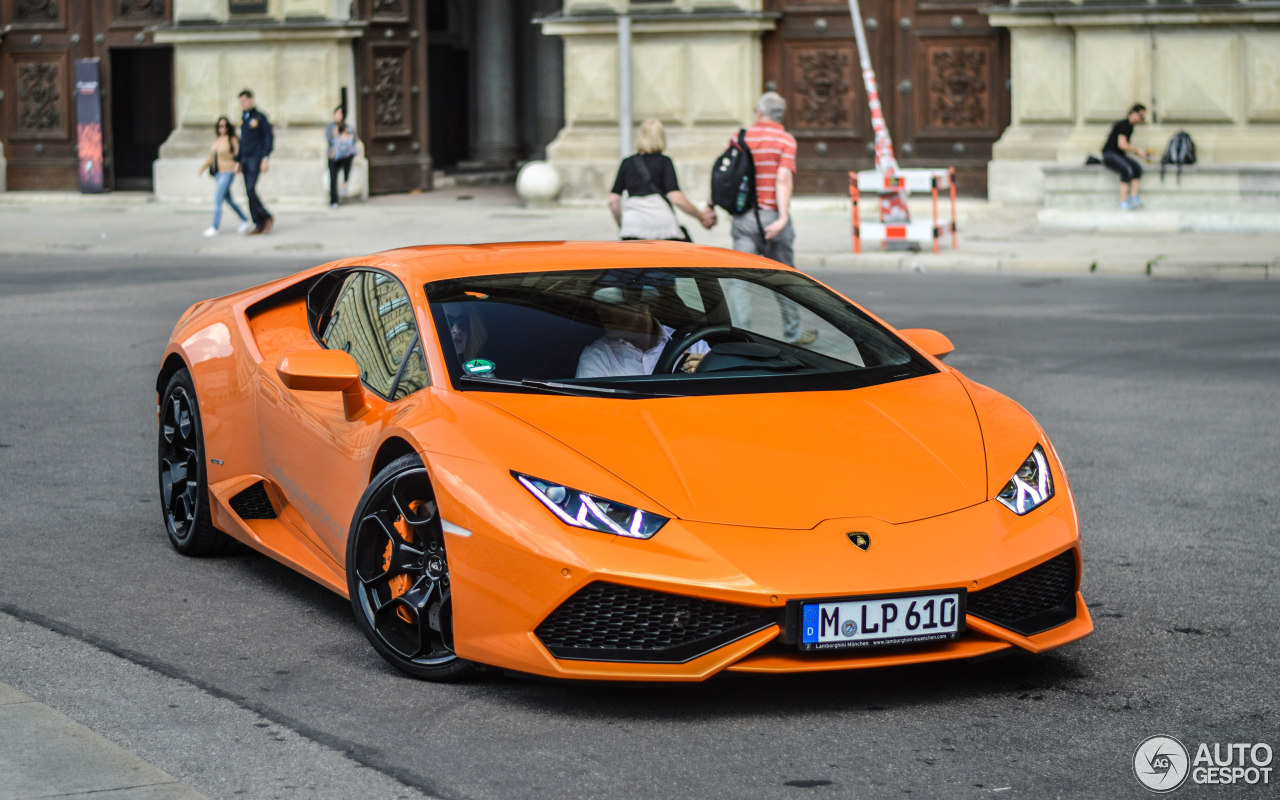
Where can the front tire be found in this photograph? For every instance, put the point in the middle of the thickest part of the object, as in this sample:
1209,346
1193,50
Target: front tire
184,487
398,575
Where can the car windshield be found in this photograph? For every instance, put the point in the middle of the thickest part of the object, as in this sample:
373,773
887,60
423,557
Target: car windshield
655,332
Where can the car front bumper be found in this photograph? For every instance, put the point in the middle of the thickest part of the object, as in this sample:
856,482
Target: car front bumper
514,567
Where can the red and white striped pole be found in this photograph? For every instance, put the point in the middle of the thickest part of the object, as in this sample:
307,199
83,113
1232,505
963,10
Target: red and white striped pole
893,204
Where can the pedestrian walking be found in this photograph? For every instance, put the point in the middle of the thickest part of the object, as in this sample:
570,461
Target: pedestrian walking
766,230
222,165
256,141
1119,142
341,139
653,194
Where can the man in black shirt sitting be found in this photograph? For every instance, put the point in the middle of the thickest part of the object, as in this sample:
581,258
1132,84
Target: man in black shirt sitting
1113,155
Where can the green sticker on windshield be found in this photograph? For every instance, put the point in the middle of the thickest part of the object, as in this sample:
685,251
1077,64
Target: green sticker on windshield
478,366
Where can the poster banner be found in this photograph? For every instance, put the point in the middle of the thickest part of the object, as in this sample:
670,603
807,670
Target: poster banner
89,124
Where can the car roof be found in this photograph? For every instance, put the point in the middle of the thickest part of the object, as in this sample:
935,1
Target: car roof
437,262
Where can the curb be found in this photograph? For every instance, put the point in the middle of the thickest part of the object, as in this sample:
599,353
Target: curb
49,755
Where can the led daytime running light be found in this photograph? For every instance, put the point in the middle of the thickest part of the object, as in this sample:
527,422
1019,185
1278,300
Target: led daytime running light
582,510
1030,487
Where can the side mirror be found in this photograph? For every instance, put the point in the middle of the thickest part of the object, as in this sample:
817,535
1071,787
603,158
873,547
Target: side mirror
325,371
930,341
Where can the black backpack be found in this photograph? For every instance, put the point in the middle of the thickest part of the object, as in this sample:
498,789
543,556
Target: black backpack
1180,150
733,177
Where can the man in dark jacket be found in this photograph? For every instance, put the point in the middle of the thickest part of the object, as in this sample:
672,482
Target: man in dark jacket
256,141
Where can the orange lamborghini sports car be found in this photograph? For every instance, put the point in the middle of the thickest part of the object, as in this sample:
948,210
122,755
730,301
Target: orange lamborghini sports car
615,461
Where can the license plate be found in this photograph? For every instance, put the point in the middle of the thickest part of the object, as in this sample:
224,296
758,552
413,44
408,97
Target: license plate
881,621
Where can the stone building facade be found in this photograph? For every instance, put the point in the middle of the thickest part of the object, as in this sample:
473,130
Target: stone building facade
700,65
1212,69
1002,93
428,84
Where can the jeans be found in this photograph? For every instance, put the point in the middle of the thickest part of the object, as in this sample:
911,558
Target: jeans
223,194
251,168
748,238
1128,169
337,165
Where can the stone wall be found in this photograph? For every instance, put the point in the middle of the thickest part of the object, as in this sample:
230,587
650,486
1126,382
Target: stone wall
295,59
1212,70
695,65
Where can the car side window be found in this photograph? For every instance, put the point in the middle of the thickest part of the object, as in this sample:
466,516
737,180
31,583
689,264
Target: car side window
372,319
415,375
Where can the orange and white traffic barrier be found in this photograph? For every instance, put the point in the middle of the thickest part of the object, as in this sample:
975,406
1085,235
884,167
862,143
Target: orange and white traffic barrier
906,180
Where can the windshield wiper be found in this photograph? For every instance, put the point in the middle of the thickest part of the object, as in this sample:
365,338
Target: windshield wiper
482,380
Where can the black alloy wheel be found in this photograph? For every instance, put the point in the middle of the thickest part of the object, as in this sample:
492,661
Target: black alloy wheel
184,490
398,574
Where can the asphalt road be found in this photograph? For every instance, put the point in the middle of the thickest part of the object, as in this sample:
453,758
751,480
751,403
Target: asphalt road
243,679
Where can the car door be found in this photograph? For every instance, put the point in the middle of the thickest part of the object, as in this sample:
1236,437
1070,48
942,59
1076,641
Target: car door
313,452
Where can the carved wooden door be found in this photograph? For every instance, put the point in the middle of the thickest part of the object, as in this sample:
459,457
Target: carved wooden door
42,40
942,75
956,103
391,61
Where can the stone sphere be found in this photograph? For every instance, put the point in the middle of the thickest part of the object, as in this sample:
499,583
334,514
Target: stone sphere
538,183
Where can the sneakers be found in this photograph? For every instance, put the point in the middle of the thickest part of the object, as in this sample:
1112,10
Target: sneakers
246,226
808,336
1135,202
333,206
210,231
1124,205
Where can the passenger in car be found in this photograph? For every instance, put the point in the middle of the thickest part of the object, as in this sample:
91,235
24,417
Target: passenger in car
633,338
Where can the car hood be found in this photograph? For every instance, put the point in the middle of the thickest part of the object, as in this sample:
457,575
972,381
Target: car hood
899,452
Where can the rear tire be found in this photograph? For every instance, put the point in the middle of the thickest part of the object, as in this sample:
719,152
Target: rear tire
184,487
398,576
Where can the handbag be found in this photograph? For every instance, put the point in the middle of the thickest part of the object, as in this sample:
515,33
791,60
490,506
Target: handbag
213,168
344,146
648,179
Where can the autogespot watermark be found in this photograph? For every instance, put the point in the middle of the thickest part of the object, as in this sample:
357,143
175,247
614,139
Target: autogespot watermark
1162,764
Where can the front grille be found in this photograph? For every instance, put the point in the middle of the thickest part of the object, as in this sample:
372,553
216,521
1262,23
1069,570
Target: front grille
608,622
253,503
1041,598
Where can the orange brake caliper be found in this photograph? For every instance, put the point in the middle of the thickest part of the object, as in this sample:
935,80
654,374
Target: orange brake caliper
399,584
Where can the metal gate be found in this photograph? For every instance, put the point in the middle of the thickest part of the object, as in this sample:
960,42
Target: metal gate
943,74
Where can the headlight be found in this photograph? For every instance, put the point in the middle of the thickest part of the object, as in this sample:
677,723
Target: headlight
582,510
1030,487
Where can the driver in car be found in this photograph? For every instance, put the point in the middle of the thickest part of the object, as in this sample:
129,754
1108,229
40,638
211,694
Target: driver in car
633,339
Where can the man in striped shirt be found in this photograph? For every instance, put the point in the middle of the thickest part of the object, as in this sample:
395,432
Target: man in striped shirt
766,230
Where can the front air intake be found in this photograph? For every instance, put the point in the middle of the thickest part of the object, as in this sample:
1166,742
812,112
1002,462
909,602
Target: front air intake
610,622
1031,602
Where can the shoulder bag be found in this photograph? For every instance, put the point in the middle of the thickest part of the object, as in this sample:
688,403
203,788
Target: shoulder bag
648,179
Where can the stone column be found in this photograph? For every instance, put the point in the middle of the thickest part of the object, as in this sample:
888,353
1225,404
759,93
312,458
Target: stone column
495,84
545,86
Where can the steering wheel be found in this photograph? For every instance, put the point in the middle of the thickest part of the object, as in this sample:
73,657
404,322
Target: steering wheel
681,341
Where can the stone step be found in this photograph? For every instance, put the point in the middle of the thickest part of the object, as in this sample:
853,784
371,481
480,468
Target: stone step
1201,187
1111,219
452,179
